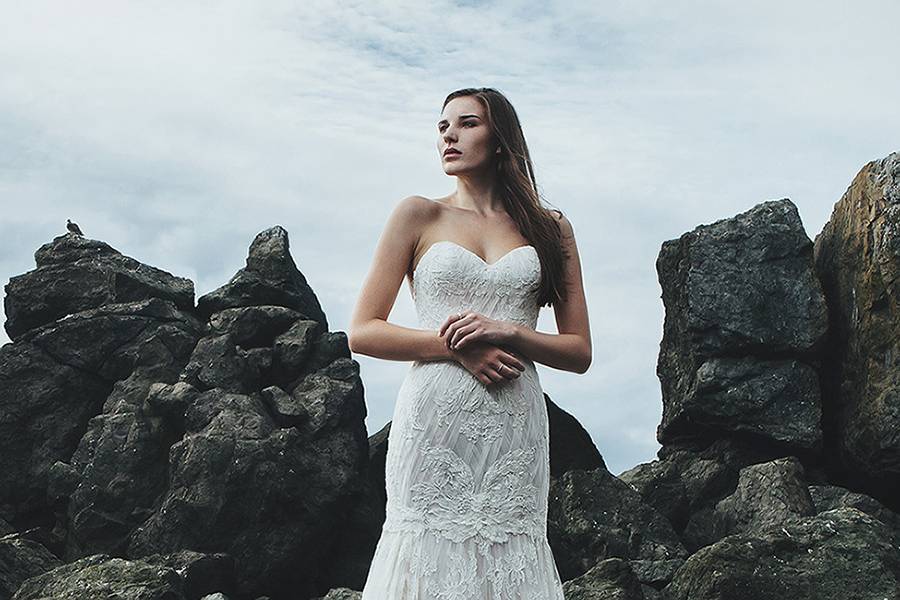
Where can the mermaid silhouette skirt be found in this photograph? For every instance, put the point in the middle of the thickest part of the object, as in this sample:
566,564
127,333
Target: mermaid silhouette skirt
467,469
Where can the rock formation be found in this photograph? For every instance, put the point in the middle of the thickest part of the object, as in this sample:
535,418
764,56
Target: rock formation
145,438
219,450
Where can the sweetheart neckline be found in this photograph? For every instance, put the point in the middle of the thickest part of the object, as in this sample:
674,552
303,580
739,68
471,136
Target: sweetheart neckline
485,263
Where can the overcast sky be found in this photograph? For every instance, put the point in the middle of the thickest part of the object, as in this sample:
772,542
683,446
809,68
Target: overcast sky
176,132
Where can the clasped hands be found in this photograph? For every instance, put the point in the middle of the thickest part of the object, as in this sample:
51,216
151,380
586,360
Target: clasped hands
476,342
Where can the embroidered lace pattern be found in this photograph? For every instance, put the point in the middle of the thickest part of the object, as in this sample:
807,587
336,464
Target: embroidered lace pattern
467,469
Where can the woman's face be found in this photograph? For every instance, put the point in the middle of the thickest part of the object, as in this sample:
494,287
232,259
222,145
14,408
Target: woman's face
463,127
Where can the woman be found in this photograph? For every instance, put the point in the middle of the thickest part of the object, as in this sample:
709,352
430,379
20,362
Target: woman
467,467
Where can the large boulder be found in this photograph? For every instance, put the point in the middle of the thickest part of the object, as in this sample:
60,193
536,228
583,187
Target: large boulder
20,559
857,257
593,516
686,483
58,377
270,277
75,273
835,555
133,430
745,324
177,576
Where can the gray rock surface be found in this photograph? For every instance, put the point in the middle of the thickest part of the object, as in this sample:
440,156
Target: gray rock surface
745,324
75,274
857,258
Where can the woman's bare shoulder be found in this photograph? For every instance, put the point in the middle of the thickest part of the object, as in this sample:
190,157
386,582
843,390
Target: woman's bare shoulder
412,216
565,226
419,206
420,212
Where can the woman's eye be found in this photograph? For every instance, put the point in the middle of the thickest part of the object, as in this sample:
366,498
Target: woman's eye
441,128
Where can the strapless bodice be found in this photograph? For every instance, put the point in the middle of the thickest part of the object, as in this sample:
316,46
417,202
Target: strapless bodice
451,278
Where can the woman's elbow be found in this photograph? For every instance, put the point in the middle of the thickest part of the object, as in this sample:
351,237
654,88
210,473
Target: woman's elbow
583,367
353,340
585,363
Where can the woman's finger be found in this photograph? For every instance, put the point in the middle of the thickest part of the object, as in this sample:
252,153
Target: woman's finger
465,335
515,362
507,372
447,322
492,374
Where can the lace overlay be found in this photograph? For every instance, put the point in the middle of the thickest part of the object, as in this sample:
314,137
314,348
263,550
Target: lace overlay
468,465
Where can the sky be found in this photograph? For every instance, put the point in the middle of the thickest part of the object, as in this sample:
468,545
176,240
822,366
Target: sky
176,132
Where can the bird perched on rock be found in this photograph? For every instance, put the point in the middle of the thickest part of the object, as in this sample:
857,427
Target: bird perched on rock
73,227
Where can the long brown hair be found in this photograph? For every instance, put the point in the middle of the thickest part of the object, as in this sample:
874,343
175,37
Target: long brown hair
519,190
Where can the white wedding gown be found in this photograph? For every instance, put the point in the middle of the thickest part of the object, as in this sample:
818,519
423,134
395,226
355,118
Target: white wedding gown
468,465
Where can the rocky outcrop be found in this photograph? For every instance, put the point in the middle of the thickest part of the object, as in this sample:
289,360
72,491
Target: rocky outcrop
136,426
270,278
838,554
75,274
745,325
594,516
609,578
59,376
177,576
857,258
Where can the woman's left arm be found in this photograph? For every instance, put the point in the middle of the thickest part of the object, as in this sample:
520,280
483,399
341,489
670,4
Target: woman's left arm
570,349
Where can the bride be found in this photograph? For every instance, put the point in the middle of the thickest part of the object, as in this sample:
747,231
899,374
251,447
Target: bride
467,468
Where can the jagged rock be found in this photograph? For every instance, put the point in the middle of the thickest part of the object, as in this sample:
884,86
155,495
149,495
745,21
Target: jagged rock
200,573
253,326
323,396
572,447
120,465
593,515
745,322
265,494
829,497
857,257
180,575
113,340
217,362
609,579
75,274
242,435
293,347
767,494
378,444
58,376
835,555
21,559
102,576
654,574
270,277
687,481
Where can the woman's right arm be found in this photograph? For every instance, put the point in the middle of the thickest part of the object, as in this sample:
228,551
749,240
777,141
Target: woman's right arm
370,333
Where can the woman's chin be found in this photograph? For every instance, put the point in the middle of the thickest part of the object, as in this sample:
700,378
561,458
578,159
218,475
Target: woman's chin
451,169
